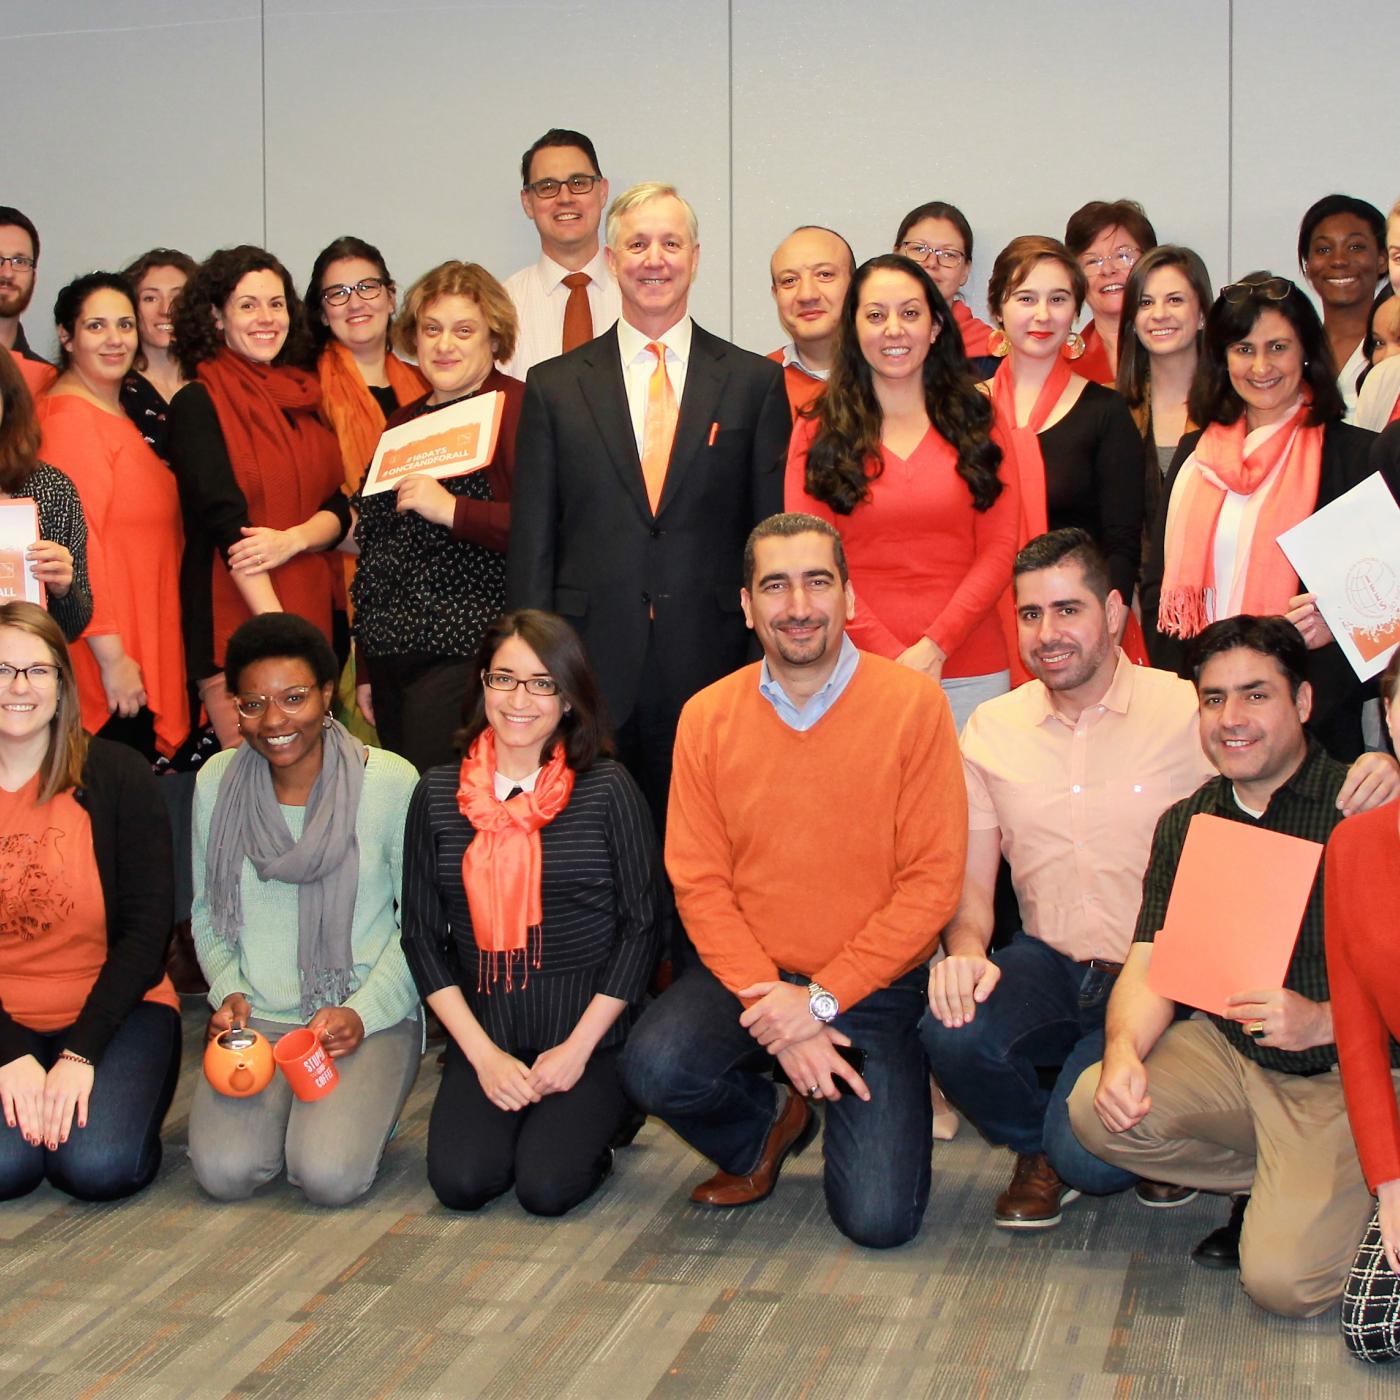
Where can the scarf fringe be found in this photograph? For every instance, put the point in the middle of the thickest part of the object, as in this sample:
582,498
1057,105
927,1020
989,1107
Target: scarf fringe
502,961
329,986
1184,612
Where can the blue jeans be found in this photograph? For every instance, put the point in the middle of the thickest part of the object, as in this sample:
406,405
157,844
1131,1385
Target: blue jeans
118,1153
1047,1012
690,1062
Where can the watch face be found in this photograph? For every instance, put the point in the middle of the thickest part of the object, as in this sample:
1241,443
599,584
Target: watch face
823,1005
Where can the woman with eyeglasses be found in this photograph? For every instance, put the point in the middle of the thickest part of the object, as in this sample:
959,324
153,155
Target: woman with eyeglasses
431,572
157,277
938,237
89,1028
1164,317
259,471
1106,238
1271,449
530,907
298,875
130,662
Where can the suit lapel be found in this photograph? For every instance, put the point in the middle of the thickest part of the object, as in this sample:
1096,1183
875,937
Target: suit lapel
704,381
605,394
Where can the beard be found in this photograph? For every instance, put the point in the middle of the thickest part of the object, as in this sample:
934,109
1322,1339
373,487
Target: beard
14,299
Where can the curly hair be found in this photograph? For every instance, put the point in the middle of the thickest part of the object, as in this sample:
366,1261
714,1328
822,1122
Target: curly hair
346,246
196,338
844,457
19,431
459,279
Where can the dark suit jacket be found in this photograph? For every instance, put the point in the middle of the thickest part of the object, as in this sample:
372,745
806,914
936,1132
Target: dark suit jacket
584,542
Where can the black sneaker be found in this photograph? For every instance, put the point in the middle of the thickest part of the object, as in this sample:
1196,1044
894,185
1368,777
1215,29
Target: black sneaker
1221,1248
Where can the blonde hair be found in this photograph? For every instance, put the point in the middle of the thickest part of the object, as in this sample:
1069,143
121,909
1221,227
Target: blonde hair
642,194
459,279
62,768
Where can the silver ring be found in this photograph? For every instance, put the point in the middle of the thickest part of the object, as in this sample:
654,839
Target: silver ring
815,1090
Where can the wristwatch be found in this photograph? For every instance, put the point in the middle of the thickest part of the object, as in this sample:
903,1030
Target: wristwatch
821,1003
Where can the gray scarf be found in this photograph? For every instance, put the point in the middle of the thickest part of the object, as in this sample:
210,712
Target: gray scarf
324,864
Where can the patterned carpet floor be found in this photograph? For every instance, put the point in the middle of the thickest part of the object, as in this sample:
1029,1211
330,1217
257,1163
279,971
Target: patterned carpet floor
636,1294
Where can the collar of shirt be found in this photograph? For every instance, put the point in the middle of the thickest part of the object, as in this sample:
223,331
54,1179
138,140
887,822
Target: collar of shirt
1311,783
551,275
505,786
818,704
1117,697
792,360
638,364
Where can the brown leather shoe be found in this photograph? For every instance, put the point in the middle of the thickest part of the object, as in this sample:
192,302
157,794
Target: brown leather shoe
789,1134
1162,1195
1034,1198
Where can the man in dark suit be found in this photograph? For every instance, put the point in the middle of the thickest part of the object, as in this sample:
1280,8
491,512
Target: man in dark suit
643,459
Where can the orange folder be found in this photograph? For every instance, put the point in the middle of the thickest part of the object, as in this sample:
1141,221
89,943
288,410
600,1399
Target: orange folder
1236,907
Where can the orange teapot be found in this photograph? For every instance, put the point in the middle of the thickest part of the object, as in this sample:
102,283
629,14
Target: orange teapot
239,1062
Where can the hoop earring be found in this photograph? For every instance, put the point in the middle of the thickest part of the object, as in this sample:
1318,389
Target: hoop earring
326,720
1073,347
999,344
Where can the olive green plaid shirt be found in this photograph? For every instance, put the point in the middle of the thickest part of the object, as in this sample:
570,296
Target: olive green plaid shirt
1305,806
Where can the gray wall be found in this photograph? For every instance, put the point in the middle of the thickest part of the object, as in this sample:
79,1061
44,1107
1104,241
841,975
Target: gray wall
198,123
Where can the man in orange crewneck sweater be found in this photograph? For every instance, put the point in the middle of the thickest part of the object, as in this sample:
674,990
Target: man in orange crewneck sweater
816,838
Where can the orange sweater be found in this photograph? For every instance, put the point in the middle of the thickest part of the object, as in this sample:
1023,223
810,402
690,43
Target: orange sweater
837,852
802,388
1361,885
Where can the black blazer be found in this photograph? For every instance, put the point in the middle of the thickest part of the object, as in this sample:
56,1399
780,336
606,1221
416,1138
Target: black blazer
584,542
1349,455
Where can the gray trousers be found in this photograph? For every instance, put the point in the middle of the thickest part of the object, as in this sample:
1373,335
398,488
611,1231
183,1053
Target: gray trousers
331,1147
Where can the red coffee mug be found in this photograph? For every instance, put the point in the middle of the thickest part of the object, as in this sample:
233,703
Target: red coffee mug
302,1058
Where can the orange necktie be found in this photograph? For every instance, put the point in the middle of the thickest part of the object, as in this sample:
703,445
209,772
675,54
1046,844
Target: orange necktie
660,430
578,317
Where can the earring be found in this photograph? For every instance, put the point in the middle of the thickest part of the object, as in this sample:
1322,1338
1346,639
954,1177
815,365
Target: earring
999,344
326,720
1073,347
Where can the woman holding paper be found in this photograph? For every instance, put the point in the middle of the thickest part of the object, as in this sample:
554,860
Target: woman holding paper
431,575
1271,450
89,1028
298,872
259,473
130,662
57,558
1362,885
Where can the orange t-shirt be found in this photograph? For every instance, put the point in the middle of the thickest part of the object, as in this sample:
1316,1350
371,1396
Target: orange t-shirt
53,917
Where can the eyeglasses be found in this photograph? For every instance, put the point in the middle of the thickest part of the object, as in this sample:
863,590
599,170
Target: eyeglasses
1270,289
19,262
922,252
549,189
41,675
368,288
1123,257
534,685
290,702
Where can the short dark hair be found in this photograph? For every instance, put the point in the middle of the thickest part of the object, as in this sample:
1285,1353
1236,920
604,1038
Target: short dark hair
1213,398
10,217
1270,636
583,729
346,246
278,634
937,209
559,136
1339,204
1070,545
783,526
1099,215
68,305
1014,264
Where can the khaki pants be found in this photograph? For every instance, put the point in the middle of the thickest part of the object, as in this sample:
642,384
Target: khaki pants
1221,1123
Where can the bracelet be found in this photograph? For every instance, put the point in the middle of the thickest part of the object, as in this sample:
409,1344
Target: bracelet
76,1058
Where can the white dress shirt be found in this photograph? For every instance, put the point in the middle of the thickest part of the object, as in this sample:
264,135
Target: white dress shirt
638,363
540,296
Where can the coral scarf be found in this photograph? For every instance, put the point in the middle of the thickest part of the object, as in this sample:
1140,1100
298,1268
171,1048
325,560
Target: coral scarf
1093,363
353,412
974,332
501,868
285,462
1225,460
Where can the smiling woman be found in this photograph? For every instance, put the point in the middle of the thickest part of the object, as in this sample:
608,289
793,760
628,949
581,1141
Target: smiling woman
1106,237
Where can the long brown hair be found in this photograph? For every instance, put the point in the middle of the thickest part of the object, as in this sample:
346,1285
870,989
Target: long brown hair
19,433
62,768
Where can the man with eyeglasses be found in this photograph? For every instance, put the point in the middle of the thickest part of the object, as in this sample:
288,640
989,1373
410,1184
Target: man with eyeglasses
569,295
19,260
811,269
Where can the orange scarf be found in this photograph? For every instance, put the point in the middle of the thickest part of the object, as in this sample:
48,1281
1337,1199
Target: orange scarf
353,412
501,867
1219,464
974,332
1093,363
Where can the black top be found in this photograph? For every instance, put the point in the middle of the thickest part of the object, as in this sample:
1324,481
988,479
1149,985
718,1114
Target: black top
131,842
22,347
599,894
214,510
142,402
61,520
1306,807
386,398
1349,455
1093,479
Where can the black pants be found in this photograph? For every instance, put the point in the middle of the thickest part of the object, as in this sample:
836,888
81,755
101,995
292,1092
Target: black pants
418,704
555,1152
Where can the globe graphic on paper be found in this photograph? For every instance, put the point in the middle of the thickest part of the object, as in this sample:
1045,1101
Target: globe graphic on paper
1373,591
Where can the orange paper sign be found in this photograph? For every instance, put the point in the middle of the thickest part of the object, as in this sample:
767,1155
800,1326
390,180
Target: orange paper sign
1236,907
447,442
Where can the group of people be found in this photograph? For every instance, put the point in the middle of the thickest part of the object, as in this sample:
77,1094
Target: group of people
912,647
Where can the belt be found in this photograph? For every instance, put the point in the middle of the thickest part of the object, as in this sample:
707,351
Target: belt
1101,965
